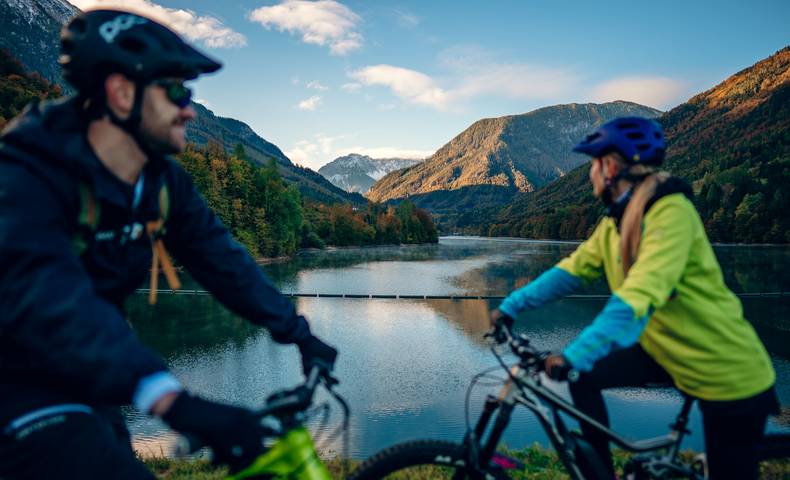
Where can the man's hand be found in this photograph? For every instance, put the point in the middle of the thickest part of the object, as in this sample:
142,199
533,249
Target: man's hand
317,353
234,434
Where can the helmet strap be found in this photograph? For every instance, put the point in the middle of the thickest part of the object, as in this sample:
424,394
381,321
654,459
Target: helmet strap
131,124
624,174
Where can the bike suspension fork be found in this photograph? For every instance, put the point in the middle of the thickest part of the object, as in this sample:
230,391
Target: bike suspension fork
490,405
501,422
472,437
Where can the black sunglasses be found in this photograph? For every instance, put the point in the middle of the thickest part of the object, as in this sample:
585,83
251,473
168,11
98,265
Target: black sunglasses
176,92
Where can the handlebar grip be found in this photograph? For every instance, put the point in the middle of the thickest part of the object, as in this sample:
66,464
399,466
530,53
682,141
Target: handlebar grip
187,444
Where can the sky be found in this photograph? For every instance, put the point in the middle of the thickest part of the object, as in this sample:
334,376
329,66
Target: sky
322,79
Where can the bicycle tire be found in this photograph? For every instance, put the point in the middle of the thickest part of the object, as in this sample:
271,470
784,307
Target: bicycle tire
774,446
428,455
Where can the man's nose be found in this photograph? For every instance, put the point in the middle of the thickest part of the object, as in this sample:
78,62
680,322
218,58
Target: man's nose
188,113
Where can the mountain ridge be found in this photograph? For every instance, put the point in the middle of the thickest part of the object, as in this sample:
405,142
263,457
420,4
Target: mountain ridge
732,142
31,33
524,151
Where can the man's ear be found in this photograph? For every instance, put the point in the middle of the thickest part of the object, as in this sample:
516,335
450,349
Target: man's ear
120,92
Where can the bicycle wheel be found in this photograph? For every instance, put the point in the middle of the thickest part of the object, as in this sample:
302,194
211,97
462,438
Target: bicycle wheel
422,459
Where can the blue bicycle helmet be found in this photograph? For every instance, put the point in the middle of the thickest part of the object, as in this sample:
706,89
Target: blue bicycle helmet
638,140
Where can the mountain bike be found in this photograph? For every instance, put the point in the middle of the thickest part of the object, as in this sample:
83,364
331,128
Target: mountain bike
476,457
290,452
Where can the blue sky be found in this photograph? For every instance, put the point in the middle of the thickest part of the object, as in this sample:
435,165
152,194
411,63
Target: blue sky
323,79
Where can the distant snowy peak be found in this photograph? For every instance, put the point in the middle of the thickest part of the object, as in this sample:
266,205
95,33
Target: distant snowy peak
356,173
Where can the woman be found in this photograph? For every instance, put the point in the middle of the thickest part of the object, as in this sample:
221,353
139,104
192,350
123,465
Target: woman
670,316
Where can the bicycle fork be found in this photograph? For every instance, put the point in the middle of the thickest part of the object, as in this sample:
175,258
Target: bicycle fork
485,454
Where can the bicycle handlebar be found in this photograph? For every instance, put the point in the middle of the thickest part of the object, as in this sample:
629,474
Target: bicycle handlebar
519,345
281,404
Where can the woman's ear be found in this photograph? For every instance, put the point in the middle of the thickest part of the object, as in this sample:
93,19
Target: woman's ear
610,167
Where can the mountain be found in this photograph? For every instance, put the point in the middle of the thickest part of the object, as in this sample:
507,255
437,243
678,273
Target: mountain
31,32
357,173
524,151
230,132
731,142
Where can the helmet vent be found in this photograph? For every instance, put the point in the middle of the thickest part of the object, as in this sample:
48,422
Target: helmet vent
635,135
627,126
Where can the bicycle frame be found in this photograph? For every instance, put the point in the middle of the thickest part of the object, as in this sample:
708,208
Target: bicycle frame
292,454
292,457
524,387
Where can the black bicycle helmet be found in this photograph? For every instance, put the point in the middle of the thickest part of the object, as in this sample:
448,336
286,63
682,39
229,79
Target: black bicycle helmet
638,140
99,42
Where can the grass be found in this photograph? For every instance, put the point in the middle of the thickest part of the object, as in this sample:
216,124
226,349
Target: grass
541,464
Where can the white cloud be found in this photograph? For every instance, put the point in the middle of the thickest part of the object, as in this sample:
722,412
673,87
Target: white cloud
410,85
310,104
295,81
386,152
351,87
324,22
208,30
315,152
469,72
658,92
203,102
405,18
517,81
316,85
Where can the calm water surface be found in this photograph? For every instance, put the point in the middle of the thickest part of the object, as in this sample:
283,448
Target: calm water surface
405,365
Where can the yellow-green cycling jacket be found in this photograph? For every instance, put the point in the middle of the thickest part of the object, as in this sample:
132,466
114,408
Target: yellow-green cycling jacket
674,303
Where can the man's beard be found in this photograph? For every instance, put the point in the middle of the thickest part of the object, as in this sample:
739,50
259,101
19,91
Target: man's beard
158,143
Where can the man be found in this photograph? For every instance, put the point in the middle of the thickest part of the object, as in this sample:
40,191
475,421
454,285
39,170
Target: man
85,192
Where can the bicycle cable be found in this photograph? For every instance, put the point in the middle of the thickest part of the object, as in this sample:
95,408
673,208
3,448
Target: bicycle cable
475,381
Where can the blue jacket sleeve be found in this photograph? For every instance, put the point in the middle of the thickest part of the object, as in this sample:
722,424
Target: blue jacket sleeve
53,326
197,238
616,327
550,285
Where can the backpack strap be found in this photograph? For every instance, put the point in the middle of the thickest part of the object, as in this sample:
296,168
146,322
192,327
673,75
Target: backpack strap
88,221
87,218
156,230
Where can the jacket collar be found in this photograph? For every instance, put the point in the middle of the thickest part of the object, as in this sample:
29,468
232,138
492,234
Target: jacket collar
53,133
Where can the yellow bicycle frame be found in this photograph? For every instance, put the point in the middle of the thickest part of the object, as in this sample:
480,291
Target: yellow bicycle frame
292,457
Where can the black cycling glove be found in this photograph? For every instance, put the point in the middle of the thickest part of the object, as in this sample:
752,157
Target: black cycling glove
562,373
315,352
234,434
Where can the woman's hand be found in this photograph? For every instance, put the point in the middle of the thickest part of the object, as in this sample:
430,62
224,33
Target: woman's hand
496,317
556,367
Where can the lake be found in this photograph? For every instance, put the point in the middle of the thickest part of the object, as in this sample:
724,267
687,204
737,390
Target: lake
405,365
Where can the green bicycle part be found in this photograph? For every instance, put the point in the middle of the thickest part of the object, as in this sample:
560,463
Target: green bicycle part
292,457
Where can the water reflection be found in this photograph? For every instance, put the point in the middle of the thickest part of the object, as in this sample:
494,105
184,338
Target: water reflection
405,365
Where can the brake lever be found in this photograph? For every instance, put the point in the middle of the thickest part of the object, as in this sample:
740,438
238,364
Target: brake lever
330,381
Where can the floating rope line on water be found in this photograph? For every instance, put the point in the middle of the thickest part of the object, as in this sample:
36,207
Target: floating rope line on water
432,297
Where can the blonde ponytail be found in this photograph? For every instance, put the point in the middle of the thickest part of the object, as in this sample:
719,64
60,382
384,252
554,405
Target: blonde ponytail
631,223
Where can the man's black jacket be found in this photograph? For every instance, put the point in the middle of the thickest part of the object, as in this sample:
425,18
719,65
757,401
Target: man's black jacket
63,337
